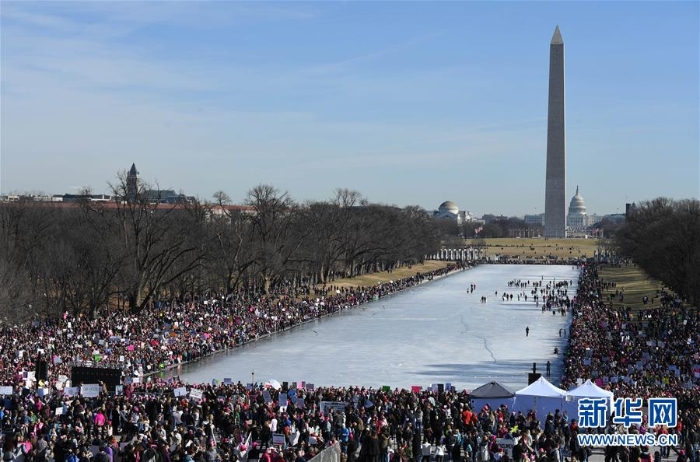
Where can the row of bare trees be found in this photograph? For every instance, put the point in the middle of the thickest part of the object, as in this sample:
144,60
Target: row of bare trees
663,238
92,255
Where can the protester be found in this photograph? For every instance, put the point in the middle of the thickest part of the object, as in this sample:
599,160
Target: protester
175,332
233,421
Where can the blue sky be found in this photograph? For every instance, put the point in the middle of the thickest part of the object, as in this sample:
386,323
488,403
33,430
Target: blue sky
406,102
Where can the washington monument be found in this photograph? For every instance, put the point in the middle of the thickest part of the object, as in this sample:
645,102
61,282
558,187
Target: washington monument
555,201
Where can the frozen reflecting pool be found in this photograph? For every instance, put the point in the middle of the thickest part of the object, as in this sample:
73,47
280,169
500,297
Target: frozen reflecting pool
435,333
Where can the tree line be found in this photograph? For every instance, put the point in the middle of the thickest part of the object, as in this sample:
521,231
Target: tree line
663,237
133,251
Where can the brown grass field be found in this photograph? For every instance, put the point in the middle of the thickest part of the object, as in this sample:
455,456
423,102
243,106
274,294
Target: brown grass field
634,281
525,248
400,273
538,247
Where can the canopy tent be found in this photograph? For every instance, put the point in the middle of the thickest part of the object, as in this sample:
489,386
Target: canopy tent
492,390
540,396
494,394
587,390
273,384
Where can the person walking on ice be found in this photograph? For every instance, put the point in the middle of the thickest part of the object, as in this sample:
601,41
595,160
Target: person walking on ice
527,331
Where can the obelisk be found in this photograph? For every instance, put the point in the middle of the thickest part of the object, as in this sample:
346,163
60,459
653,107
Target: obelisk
555,188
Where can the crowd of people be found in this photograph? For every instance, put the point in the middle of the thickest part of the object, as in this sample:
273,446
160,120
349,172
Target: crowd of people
175,332
156,422
649,353
231,421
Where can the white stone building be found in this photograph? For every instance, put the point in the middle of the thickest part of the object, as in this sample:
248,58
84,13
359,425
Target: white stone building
449,210
577,219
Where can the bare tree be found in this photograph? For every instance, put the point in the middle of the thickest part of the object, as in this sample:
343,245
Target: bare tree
159,240
79,257
328,222
663,238
26,228
230,242
275,237
423,238
93,255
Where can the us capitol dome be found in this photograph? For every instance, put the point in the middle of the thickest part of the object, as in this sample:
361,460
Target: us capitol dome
577,219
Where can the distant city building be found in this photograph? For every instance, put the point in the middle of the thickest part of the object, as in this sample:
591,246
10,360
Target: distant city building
155,196
26,198
594,218
133,189
488,218
617,218
168,196
577,219
449,210
537,220
132,184
81,197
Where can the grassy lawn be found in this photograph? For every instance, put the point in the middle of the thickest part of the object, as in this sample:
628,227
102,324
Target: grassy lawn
525,248
538,247
400,273
635,282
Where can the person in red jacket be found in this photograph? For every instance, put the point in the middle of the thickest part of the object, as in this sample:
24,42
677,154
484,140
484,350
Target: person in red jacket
573,428
266,456
467,416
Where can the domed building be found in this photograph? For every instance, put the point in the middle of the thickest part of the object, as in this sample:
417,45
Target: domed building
449,210
577,219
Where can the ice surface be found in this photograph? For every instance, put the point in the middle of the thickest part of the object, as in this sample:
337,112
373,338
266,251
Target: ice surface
434,333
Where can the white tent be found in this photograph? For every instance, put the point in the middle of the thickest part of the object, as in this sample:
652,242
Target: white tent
587,390
541,396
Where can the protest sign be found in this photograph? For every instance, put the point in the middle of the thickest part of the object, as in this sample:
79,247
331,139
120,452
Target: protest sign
278,439
91,390
338,406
